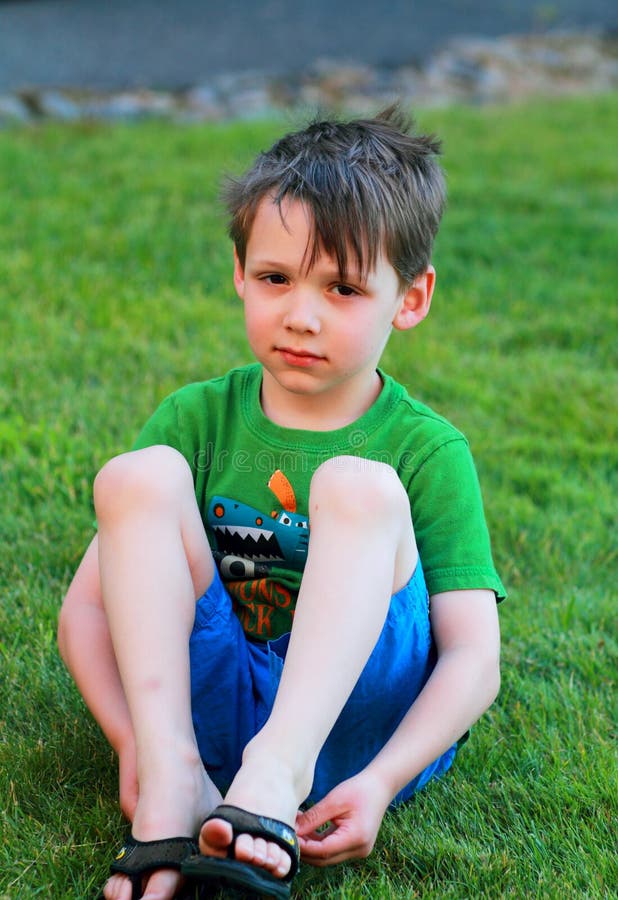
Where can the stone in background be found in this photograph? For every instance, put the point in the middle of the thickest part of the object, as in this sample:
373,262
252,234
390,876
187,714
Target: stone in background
466,70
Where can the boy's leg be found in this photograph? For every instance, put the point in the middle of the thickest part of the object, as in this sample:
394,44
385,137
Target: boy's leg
361,551
154,560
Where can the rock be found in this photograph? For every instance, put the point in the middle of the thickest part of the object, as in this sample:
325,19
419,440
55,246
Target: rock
12,110
203,102
250,103
468,69
130,105
57,105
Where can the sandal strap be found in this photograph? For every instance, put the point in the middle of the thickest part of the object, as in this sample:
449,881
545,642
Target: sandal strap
138,857
272,830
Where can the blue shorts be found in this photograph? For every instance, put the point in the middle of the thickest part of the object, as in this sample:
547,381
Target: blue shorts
234,681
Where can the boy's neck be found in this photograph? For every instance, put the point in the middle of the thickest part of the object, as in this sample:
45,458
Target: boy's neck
317,412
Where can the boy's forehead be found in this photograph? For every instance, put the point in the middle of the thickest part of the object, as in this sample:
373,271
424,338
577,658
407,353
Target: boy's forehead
287,212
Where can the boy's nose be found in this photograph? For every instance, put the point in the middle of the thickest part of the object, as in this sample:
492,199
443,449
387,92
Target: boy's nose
302,312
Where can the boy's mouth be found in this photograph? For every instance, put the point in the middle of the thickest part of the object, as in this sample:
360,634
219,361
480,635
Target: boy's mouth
302,358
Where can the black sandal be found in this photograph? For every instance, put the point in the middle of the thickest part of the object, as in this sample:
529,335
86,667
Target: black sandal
230,873
138,858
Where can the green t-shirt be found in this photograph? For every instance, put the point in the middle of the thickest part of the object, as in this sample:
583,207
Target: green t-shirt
252,482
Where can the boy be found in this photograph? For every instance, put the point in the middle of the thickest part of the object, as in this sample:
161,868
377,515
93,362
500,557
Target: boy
345,634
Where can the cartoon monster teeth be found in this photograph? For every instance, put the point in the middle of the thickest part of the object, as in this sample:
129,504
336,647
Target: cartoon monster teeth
250,543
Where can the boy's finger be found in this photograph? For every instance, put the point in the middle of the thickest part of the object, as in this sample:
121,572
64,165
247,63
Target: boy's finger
333,848
314,818
317,834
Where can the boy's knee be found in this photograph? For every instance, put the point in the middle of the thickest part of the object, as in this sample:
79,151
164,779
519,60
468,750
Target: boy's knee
157,473
363,488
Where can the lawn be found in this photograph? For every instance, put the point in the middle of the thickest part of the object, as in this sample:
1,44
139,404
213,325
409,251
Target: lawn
115,289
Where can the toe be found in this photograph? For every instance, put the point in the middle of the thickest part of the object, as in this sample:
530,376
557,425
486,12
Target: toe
244,848
118,888
283,864
162,885
215,837
260,852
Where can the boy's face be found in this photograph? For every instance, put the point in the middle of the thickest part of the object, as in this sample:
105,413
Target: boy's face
319,338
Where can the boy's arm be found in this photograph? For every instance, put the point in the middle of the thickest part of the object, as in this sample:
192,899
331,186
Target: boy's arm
86,648
462,686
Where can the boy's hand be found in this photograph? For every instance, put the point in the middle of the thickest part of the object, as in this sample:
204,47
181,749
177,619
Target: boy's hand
354,811
127,777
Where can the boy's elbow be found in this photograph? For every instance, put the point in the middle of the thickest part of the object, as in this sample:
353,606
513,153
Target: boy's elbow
490,678
495,688
65,630
488,656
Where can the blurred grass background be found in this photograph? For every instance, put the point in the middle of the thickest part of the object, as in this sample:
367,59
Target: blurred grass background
115,276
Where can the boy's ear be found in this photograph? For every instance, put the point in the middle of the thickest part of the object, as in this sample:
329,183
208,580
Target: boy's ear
239,276
416,301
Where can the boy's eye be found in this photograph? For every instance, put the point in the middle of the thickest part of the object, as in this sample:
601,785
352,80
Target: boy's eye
275,278
344,290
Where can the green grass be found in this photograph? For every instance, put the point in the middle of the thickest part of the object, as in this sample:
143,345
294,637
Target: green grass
116,288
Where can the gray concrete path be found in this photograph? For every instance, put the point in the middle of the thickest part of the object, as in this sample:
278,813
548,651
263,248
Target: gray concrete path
111,44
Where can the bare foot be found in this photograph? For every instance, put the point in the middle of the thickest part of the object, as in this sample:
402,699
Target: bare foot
266,787
173,804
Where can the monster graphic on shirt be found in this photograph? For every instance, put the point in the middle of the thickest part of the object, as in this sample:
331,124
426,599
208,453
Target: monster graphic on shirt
251,545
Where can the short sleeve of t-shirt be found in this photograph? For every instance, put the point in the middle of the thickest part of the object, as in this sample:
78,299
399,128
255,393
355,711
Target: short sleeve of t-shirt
161,428
449,522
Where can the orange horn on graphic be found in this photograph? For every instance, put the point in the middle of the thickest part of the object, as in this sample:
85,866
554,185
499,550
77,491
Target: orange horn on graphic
283,491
